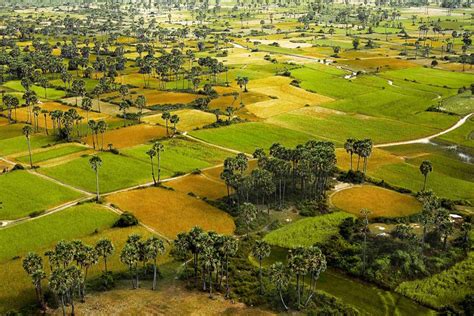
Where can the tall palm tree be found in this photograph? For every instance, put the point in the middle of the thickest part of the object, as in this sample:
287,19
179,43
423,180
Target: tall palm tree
174,120
261,250
86,105
425,168
154,247
33,265
166,116
45,115
349,147
152,153
105,249
280,278
158,148
95,163
27,131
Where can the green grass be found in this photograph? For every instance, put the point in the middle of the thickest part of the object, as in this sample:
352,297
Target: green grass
181,156
19,144
461,104
463,135
366,298
248,136
133,167
339,127
23,193
9,131
77,221
408,176
307,232
52,153
116,172
446,288
51,94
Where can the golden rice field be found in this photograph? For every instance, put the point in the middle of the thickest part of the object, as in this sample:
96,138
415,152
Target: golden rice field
380,201
121,138
201,185
171,212
188,119
285,97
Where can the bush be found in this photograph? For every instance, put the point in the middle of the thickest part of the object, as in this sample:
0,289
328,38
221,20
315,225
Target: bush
126,219
352,176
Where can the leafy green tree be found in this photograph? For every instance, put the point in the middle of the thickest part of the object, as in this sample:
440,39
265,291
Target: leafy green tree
248,214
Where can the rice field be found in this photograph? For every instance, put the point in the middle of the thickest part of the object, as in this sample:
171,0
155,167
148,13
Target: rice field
170,212
381,202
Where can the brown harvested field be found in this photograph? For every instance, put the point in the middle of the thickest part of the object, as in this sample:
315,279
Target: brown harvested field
171,298
171,212
201,185
131,135
156,97
188,119
380,201
377,159
250,97
285,97
5,166
381,63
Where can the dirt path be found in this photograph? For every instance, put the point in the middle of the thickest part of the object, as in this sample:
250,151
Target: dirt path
427,139
185,134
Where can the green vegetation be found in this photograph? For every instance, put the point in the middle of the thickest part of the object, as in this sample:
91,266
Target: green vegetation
80,221
24,193
308,231
446,288
54,152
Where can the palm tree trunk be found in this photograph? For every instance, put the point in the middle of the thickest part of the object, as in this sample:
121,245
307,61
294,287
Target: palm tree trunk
154,276
29,150
97,186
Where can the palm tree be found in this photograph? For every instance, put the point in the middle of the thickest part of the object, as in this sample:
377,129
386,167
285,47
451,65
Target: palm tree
152,153
59,285
27,131
101,128
166,116
279,276
158,148
154,247
229,248
130,256
95,163
93,126
104,248
174,120
86,105
124,106
349,147
45,114
33,265
248,213
140,103
261,250
425,168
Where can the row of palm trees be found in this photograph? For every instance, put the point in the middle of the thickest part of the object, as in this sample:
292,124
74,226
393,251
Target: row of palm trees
362,148
69,264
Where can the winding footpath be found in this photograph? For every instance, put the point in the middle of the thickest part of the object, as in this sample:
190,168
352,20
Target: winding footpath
427,139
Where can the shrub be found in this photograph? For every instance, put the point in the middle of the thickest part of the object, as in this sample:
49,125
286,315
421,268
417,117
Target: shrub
126,219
